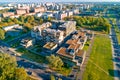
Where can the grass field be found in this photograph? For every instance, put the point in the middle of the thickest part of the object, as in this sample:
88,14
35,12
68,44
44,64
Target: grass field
100,66
40,59
31,56
86,46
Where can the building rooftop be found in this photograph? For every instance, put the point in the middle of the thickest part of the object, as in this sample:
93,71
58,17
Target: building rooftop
63,51
72,41
80,53
50,45
76,46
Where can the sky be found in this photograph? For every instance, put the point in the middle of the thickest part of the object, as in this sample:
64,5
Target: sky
59,0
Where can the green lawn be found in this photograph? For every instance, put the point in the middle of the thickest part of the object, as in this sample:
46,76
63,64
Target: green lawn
100,61
8,38
64,70
86,46
37,58
37,48
16,44
31,56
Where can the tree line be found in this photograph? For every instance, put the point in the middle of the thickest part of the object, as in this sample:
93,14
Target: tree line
92,23
28,22
9,69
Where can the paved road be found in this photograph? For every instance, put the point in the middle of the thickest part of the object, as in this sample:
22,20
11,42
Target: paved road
25,63
38,69
115,48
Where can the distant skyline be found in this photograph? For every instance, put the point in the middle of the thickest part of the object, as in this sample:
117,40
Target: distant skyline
59,0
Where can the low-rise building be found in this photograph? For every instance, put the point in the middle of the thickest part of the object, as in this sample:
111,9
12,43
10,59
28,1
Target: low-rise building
37,30
76,11
39,9
21,11
16,26
62,15
72,52
0,19
29,14
50,47
27,8
15,16
53,35
68,27
69,13
27,42
48,33
47,15
8,14
39,14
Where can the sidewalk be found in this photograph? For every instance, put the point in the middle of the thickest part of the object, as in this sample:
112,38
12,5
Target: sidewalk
82,69
114,63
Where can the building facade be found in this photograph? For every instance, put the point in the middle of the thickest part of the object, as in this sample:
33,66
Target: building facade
72,52
8,14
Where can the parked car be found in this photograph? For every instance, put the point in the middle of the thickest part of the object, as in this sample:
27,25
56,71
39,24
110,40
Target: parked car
118,58
118,54
29,72
118,64
23,60
71,75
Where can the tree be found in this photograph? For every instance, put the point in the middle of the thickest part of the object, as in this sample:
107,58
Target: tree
52,77
41,20
55,61
9,70
28,26
30,19
20,74
2,34
15,20
107,27
7,67
22,19
10,23
49,18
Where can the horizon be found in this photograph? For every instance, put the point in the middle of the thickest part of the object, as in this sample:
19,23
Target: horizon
2,1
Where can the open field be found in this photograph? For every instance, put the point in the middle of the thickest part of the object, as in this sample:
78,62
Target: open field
100,66
86,46
31,56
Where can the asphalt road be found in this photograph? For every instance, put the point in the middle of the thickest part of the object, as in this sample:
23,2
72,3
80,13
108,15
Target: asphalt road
38,69
116,52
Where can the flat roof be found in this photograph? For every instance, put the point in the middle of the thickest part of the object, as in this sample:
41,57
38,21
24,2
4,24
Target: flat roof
72,41
62,51
49,45
80,53
75,46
